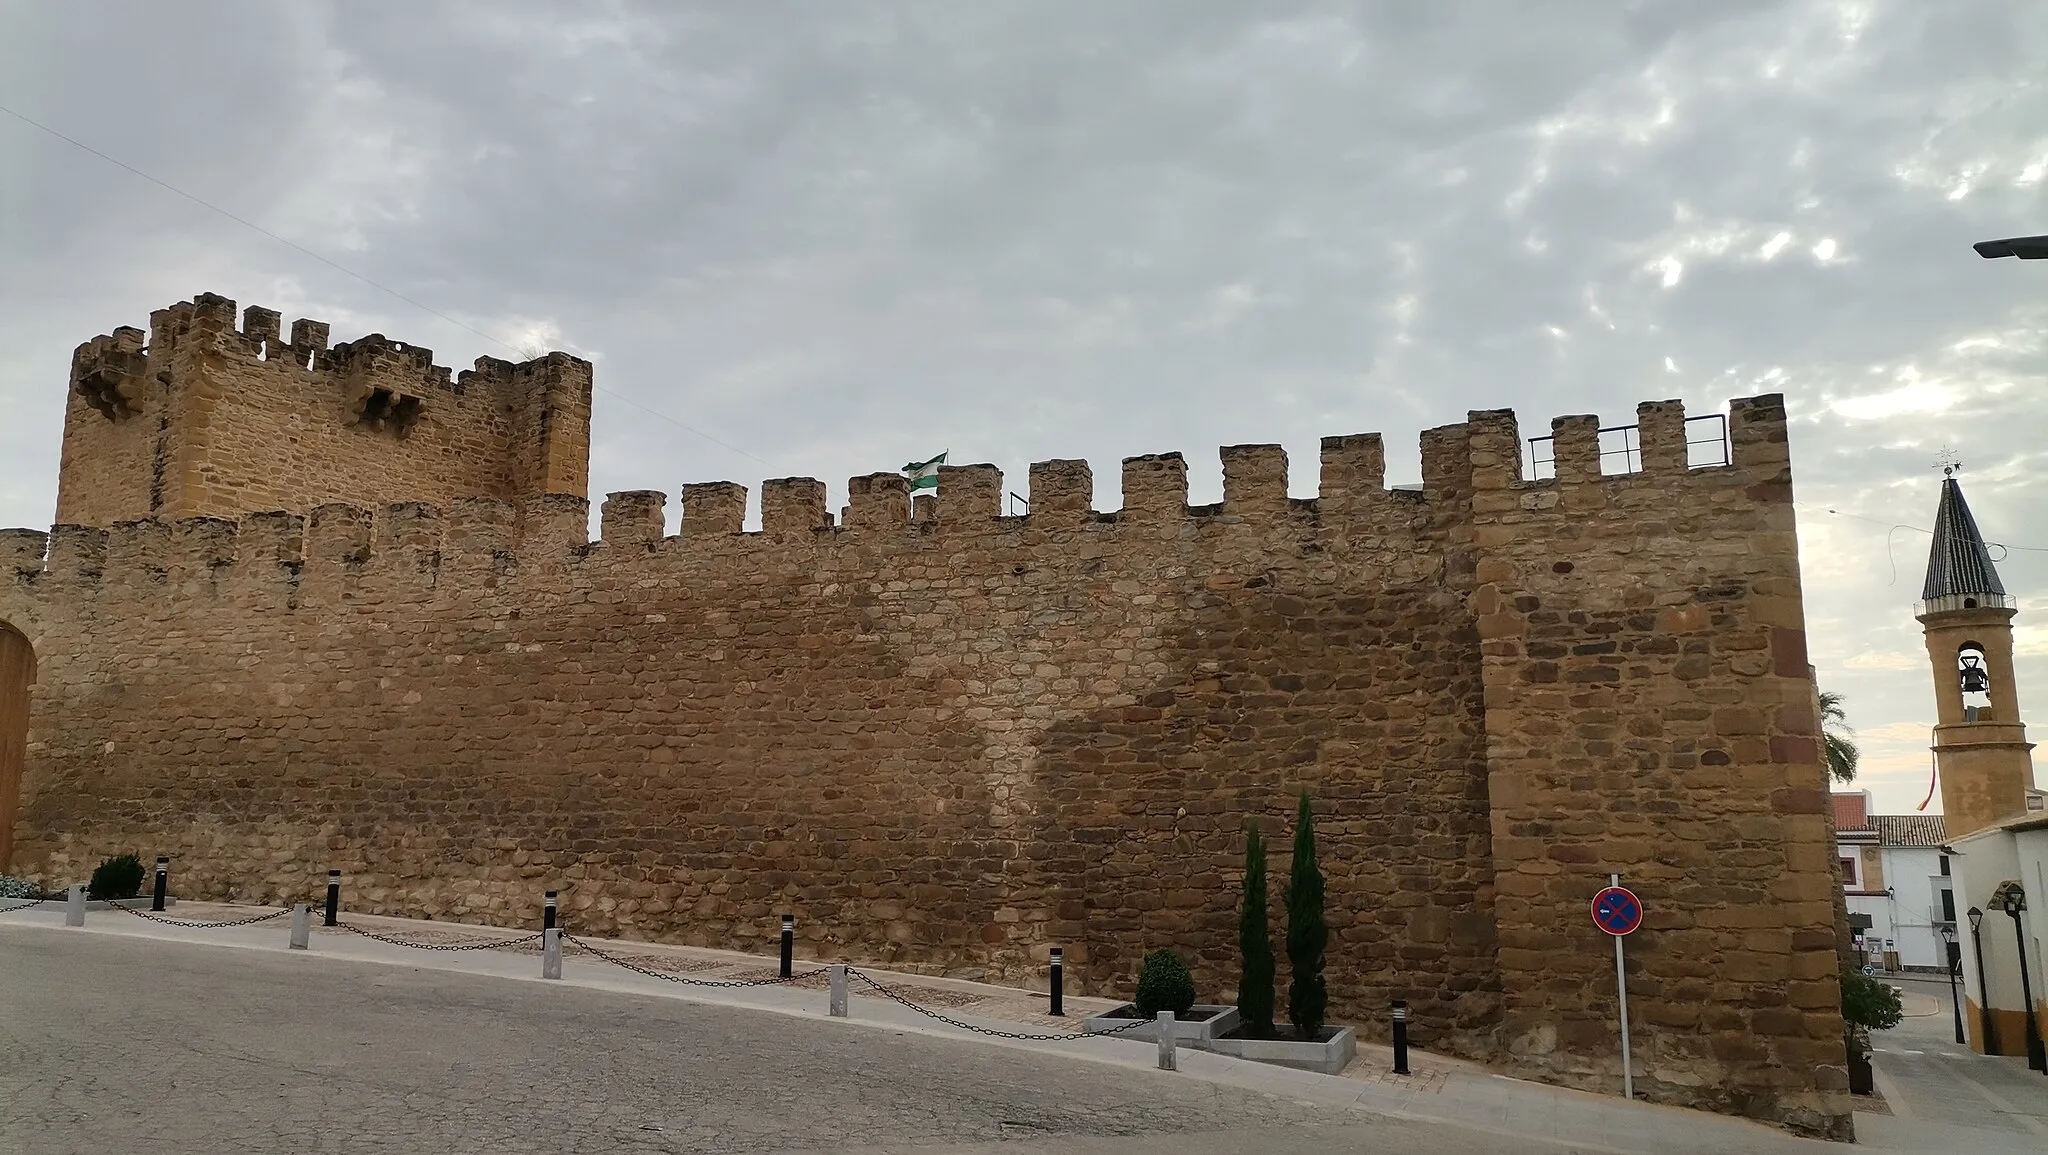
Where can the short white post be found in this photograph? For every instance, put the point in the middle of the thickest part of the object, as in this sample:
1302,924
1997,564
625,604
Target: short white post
74,907
551,953
302,926
838,976
1167,1059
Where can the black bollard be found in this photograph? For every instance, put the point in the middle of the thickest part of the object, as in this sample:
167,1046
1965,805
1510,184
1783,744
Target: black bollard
163,882
1059,1003
547,913
788,944
333,897
1400,1036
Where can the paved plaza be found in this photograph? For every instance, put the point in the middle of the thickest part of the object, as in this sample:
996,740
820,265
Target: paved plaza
132,1035
114,1044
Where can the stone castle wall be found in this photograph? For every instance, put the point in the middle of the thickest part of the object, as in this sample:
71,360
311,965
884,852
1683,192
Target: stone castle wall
953,743
954,739
1649,712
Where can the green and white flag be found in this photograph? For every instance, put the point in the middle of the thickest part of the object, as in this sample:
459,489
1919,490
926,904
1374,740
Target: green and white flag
924,474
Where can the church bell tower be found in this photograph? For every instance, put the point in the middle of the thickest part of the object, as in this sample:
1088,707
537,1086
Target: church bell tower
1981,751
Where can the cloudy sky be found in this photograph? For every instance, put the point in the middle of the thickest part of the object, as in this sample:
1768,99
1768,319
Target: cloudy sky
826,239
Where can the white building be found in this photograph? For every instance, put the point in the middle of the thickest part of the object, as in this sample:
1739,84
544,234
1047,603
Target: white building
1895,875
2007,866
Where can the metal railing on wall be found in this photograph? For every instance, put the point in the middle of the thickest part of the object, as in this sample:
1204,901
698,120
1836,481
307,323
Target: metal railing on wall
1622,445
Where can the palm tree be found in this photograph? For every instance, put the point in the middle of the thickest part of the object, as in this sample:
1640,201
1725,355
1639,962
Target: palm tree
1841,750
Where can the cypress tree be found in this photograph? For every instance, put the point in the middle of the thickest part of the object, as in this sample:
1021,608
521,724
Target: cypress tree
1307,935
1254,944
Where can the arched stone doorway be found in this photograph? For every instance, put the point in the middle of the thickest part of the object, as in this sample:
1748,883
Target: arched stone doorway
17,674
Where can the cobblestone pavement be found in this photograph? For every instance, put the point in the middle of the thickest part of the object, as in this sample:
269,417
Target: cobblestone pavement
110,1044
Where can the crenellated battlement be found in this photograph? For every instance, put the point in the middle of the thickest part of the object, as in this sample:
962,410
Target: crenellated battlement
206,324
1464,466
235,418
1661,442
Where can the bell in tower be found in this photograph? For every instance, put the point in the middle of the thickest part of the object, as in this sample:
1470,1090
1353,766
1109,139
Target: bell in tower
1975,680
1982,756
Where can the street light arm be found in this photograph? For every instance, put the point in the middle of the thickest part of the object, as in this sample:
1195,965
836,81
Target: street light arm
2025,248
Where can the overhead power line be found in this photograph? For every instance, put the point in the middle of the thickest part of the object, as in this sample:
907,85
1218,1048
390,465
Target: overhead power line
1919,529
1894,527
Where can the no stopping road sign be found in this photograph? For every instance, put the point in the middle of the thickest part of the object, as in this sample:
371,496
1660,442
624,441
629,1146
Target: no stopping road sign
1617,911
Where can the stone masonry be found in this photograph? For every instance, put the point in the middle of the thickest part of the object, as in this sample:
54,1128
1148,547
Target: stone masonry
315,608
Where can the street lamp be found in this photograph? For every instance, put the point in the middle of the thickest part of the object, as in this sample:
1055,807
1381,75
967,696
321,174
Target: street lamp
2013,898
1990,1035
1953,954
2025,248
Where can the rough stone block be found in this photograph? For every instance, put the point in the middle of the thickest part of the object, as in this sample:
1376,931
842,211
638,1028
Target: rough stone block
793,507
713,509
1062,492
1155,489
970,496
1254,480
633,517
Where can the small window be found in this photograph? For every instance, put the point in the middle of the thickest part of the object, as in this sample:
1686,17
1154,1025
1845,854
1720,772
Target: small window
1948,905
1944,866
1848,872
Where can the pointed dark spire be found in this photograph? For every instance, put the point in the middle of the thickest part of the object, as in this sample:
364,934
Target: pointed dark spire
1958,565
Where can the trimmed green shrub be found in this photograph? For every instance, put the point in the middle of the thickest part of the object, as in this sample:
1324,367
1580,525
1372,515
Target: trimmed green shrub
1164,984
1307,935
1869,1003
11,887
1254,943
119,877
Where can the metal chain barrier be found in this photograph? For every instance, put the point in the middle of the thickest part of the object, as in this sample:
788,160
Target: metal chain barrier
669,977
665,976
483,944
201,922
1065,1037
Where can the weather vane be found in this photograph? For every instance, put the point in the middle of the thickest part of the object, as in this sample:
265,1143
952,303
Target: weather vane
1948,461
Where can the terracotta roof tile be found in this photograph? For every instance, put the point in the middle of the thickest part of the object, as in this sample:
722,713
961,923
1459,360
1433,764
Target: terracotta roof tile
1909,829
1849,811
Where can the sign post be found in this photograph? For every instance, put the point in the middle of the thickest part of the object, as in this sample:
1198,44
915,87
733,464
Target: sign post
1619,912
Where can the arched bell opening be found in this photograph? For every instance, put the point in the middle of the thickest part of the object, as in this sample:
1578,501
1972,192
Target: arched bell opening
1974,676
17,674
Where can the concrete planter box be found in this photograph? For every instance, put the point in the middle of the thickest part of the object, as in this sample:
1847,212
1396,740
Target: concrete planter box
1201,1024
1328,1054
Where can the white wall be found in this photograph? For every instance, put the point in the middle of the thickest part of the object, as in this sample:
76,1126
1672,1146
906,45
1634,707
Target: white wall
1913,874
2033,857
1986,859
1880,912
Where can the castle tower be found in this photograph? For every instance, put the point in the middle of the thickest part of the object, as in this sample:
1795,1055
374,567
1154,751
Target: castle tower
1981,750
207,417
